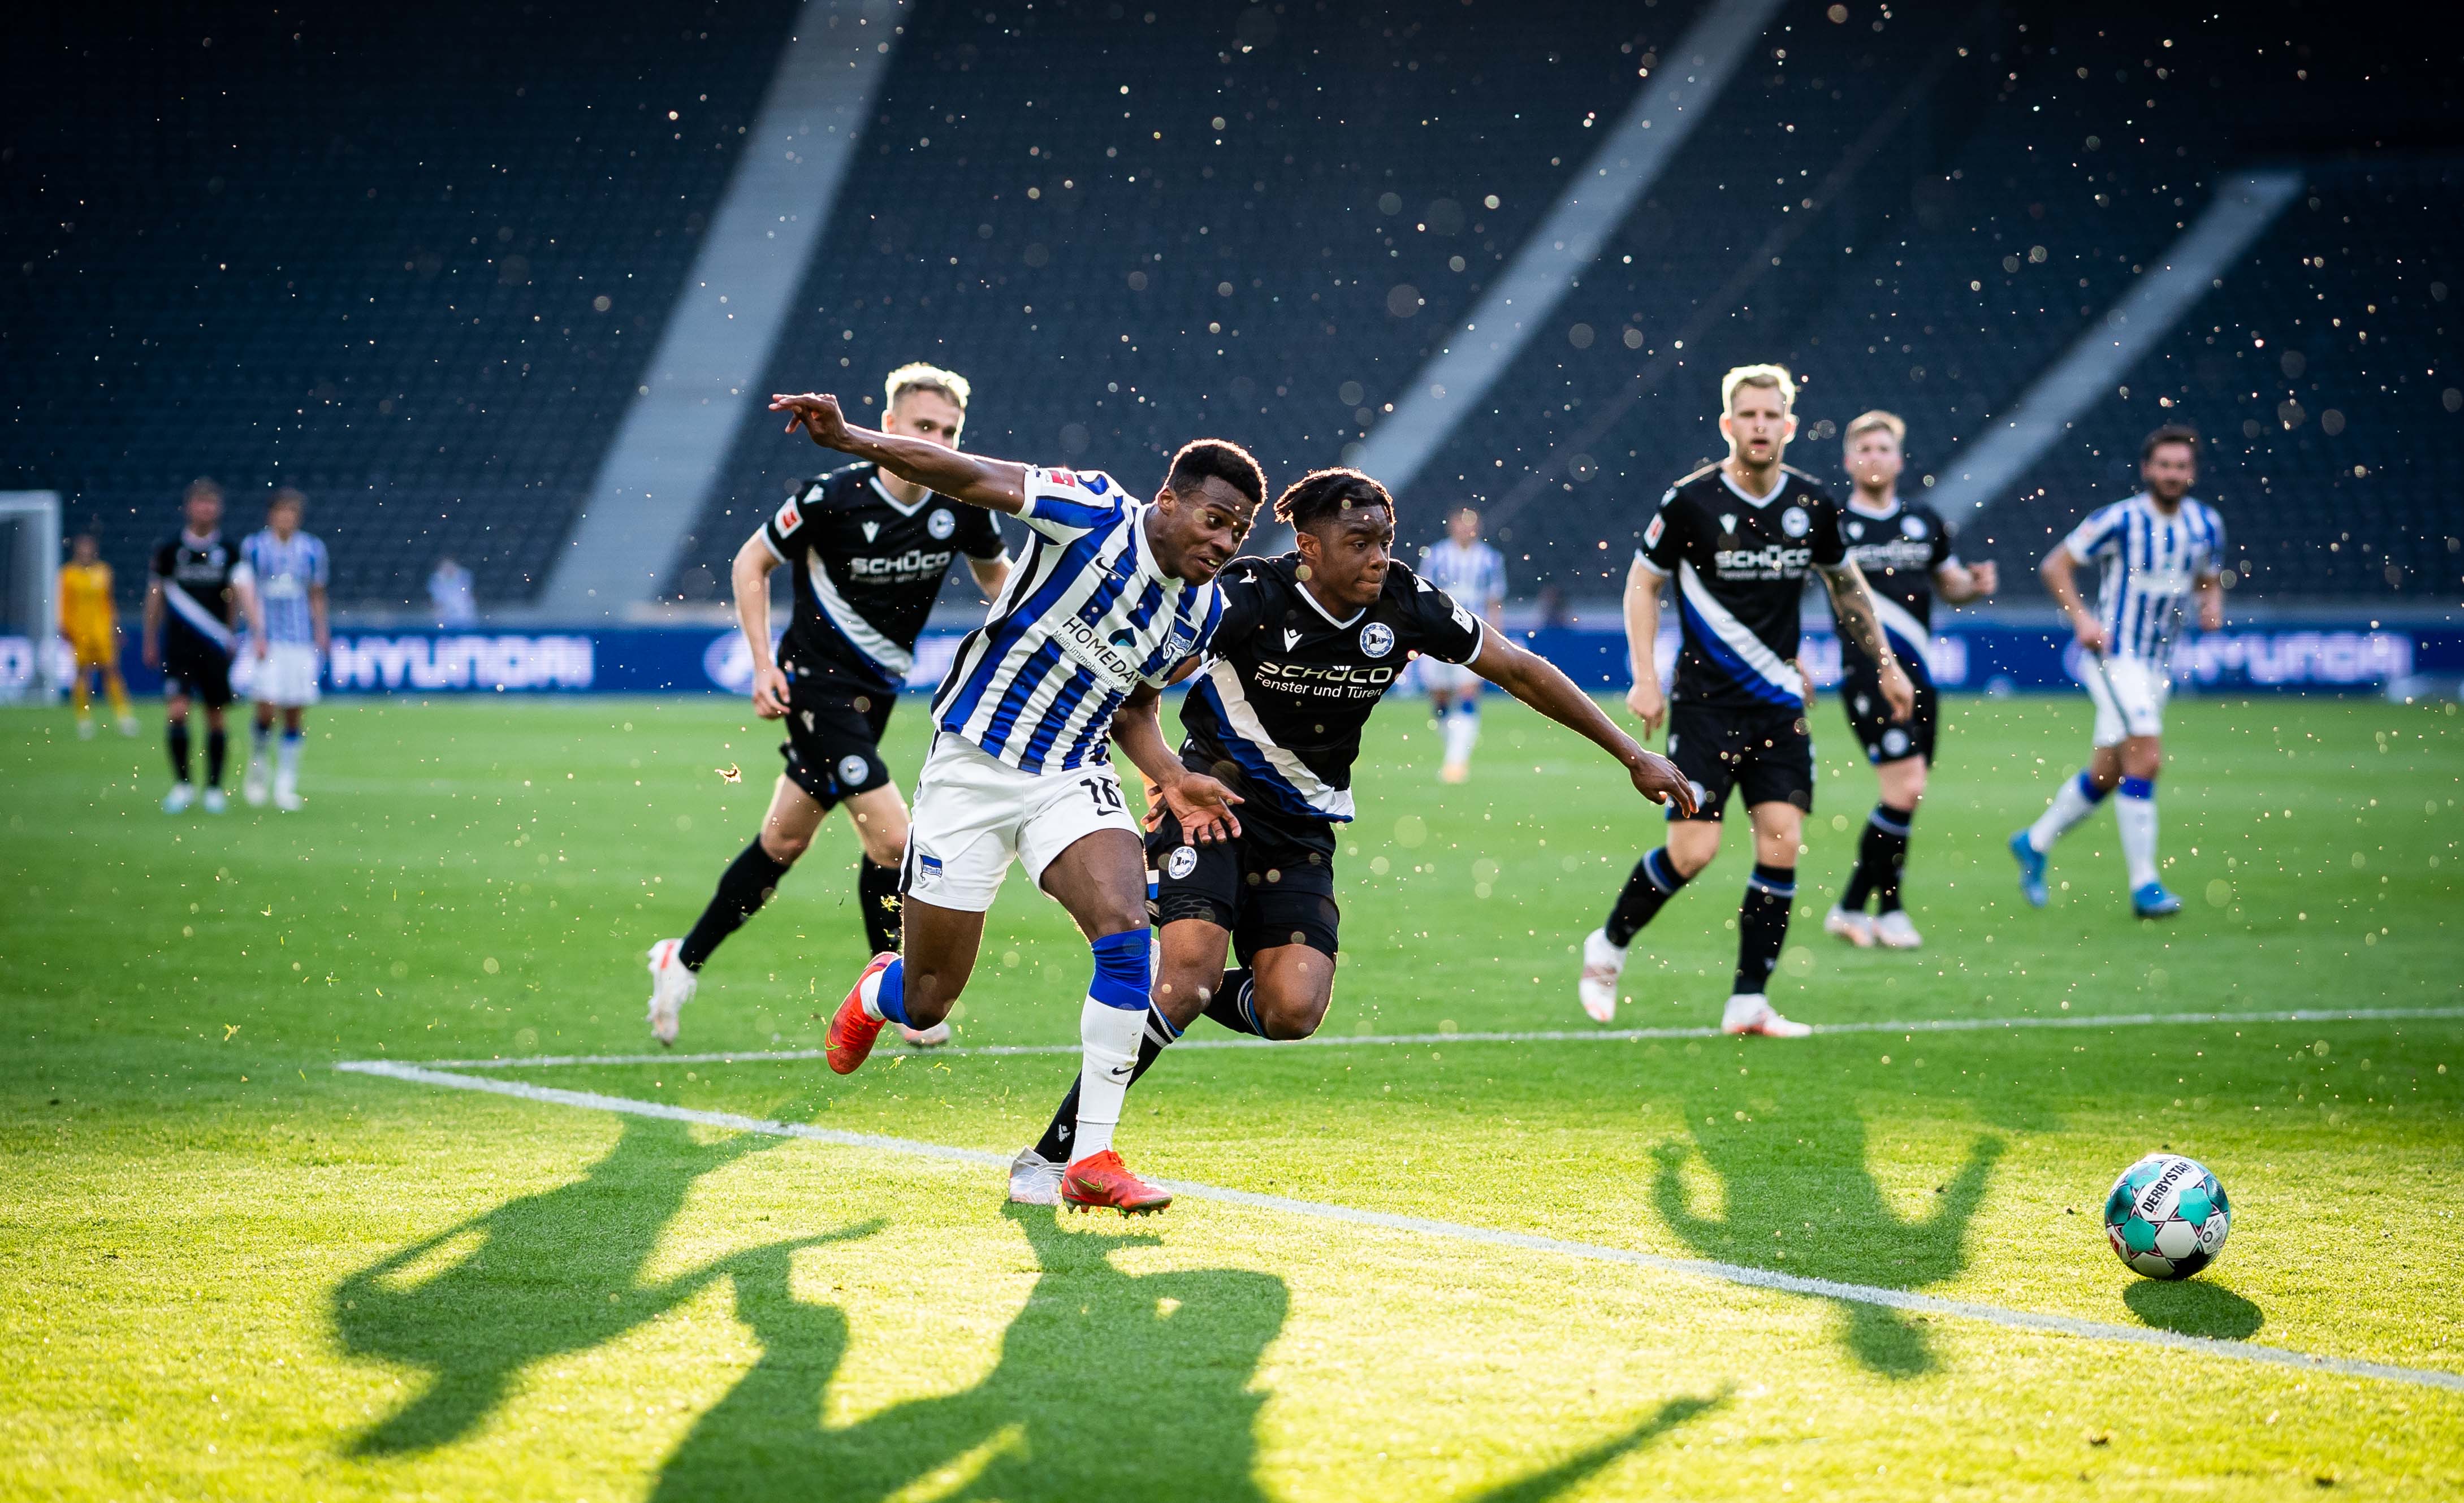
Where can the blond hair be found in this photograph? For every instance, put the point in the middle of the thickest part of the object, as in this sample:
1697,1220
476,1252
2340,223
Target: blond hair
1876,420
1775,377
917,375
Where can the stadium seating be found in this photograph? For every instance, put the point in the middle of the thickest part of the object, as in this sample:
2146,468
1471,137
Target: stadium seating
358,253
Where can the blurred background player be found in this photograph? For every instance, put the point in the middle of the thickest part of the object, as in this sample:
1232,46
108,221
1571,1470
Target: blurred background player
1474,574
871,551
92,626
449,594
1903,549
1739,537
2157,550
287,629
198,582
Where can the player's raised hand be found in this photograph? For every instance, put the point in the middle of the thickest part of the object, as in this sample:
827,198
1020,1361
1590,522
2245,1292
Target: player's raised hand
1898,692
1203,806
770,691
1648,705
817,413
1658,779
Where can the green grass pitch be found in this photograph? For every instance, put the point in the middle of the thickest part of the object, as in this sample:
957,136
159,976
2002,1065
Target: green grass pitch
231,1271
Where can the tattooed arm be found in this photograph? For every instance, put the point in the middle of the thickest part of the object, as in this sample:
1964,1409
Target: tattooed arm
1852,602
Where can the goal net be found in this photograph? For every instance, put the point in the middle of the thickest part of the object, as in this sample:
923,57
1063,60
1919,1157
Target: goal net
31,650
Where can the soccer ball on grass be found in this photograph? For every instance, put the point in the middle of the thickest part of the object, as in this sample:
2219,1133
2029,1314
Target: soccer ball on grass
2167,1217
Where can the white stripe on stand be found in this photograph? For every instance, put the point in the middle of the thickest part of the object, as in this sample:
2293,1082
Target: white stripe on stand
1455,1232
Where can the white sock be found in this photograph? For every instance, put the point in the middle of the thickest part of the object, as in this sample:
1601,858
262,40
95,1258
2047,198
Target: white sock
2071,804
1108,1037
2135,811
1463,734
287,758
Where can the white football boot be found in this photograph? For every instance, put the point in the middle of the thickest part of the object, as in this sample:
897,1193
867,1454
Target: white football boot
85,727
1603,963
671,987
932,1037
215,801
128,724
1752,1013
179,798
1854,928
1893,931
253,788
286,795
1034,1180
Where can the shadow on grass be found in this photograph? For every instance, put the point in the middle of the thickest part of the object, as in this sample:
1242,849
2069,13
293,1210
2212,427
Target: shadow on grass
1108,1385
2193,1307
543,1275
1830,1220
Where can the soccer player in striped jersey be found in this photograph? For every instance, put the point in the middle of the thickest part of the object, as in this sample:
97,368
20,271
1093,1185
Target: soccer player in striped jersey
1739,537
2155,551
1903,549
1473,574
1114,595
287,628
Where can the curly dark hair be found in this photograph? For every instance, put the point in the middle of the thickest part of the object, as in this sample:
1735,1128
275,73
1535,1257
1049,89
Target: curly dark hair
1217,459
1322,493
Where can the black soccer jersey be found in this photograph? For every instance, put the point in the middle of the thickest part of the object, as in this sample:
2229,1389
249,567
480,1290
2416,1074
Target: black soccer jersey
1898,550
1287,686
196,576
871,568
1740,565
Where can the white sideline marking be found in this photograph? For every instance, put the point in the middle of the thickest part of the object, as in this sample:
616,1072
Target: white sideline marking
1554,1035
1455,1231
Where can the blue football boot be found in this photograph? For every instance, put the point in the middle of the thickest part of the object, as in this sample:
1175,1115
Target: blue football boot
2153,901
2032,870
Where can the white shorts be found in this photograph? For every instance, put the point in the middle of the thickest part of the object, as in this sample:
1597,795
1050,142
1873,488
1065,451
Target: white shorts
285,676
2130,695
1439,677
975,812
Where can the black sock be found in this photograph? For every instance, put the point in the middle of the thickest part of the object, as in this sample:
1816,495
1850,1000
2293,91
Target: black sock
1762,925
1054,1145
175,735
1235,1004
743,888
217,749
1886,831
1653,882
1880,852
878,891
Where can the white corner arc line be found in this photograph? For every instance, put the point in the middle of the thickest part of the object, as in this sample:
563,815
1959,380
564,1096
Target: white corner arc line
1455,1232
1549,1035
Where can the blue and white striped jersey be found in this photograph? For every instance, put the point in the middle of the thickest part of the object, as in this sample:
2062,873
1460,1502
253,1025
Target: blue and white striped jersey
2151,563
1474,575
284,573
1088,616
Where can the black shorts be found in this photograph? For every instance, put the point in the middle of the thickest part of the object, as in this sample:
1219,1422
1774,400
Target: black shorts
833,746
1270,886
197,670
1767,754
1870,722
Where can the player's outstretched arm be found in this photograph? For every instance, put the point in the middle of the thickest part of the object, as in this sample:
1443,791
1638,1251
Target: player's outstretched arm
751,576
997,484
1537,681
1958,583
1201,804
2060,574
1852,602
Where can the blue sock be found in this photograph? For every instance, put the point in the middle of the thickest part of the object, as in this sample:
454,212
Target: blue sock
1121,974
890,998
2091,792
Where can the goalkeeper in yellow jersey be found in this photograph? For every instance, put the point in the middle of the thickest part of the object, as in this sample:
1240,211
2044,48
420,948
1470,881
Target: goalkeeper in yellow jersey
93,631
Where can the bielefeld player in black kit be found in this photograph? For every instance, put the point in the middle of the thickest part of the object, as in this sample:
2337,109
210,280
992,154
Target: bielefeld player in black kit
200,586
1310,643
870,551
1738,540
1903,548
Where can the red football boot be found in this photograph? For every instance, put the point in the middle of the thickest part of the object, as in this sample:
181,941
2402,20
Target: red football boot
852,1029
1102,1179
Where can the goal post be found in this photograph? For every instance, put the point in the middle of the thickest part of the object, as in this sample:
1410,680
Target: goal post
30,608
